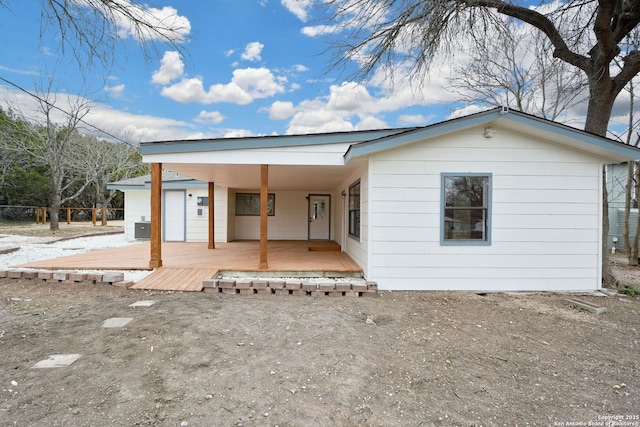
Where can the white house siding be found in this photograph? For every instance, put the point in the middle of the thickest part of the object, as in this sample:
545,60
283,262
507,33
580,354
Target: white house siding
357,249
198,225
546,204
137,205
290,221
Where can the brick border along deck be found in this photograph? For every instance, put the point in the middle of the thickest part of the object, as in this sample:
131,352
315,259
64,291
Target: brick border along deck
115,278
241,287
298,288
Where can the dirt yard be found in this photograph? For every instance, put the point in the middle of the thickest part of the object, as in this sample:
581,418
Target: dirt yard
403,359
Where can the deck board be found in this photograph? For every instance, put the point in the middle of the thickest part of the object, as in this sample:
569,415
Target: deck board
186,265
176,279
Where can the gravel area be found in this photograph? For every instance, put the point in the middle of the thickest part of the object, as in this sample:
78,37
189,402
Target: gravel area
35,248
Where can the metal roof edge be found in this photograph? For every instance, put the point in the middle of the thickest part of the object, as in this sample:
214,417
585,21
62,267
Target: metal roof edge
429,131
486,117
181,146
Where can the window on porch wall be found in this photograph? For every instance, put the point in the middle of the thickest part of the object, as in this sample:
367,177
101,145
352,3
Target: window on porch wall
354,210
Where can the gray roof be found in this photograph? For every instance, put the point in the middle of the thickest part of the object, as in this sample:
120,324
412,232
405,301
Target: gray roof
368,142
169,180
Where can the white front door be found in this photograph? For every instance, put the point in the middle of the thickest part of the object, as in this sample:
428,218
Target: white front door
174,216
319,216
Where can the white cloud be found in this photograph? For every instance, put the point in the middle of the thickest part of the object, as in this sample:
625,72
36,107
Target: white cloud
229,52
18,71
252,51
165,22
320,30
300,8
349,96
280,110
237,133
115,91
171,67
133,128
246,85
412,119
300,68
214,117
371,122
351,106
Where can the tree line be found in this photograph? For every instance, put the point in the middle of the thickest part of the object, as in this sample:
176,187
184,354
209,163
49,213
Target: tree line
52,164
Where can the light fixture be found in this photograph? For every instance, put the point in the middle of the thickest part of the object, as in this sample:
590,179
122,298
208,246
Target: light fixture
488,132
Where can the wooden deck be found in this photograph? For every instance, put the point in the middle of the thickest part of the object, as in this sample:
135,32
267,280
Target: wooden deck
186,265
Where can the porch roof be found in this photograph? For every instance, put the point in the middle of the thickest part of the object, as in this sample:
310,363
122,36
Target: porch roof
169,180
322,161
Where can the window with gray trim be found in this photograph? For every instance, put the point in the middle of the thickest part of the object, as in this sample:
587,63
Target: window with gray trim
466,208
354,210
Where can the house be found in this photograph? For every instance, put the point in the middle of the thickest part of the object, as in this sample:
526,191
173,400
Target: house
183,198
494,201
616,190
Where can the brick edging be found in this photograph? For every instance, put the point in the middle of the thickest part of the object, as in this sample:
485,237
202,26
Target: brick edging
297,288
113,278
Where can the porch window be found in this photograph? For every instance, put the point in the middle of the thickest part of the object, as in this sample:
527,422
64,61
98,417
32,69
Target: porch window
354,210
466,209
248,204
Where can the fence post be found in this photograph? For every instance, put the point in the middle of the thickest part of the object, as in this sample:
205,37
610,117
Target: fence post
68,215
37,215
104,217
93,216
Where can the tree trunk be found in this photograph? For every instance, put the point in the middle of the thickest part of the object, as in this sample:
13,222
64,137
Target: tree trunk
53,213
601,99
57,178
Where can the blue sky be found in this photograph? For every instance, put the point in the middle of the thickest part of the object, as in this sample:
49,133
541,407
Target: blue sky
253,67
247,67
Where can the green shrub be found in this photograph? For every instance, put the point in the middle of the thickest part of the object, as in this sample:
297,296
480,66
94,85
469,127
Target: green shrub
629,290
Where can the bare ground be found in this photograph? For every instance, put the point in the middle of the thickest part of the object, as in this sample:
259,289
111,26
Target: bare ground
65,231
403,359
422,359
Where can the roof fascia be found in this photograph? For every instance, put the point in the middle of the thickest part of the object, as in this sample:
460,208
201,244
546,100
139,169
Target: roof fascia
189,146
191,183
411,136
615,148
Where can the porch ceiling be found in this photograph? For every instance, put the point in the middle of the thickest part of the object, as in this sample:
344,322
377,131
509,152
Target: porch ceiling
281,177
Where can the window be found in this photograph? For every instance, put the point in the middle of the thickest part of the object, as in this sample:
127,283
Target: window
466,209
248,204
354,210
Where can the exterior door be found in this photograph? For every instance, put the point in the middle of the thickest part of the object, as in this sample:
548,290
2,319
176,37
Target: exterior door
174,216
319,217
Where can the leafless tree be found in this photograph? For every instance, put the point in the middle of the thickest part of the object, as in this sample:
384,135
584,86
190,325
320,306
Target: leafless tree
111,161
632,188
584,33
91,29
57,147
519,72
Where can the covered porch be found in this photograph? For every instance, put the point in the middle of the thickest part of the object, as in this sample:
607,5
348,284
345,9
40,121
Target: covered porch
186,265
297,186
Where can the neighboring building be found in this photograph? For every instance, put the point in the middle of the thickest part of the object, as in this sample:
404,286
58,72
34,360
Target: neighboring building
494,201
616,190
185,207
